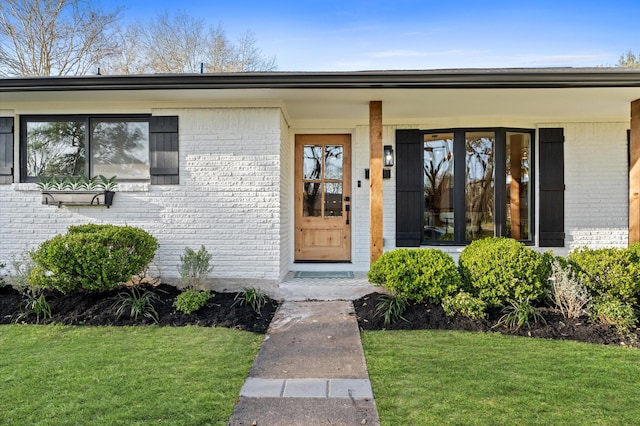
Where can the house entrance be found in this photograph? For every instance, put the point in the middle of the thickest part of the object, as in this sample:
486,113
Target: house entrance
323,198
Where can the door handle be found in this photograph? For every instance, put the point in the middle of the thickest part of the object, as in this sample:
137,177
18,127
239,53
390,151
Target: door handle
347,208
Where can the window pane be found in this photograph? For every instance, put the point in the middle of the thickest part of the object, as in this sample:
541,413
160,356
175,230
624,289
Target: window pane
55,148
312,199
333,199
333,159
438,187
120,148
479,191
518,187
312,162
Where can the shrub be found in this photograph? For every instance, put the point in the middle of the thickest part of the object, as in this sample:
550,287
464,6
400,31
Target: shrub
416,274
34,301
612,311
568,295
498,270
94,257
194,267
519,313
253,297
464,304
139,303
391,307
609,271
189,301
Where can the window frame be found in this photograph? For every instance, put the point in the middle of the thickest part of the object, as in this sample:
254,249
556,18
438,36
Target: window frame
86,119
500,196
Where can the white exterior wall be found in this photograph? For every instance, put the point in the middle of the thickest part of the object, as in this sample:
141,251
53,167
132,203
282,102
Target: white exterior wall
229,199
597,184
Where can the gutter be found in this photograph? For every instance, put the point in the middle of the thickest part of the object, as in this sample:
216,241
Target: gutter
436,79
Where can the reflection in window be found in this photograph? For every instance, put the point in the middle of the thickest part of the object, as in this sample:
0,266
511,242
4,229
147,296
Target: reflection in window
55,148
518,187
322,174
333,162
333,199
479,191
438,187
312,162
120,148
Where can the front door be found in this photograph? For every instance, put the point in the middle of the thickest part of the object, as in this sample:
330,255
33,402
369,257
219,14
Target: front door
323,198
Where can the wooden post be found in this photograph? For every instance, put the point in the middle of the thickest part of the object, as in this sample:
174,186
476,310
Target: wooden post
375,178
515,158
634,174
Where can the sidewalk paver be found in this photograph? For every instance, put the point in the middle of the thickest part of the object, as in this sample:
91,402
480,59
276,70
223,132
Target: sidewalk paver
310,370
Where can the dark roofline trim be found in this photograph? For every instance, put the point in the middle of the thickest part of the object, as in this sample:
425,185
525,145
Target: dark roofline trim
437,79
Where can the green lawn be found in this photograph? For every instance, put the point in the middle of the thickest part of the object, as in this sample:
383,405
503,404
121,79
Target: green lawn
442,377
55,375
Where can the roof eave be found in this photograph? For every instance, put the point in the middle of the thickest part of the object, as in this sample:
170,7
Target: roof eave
440,79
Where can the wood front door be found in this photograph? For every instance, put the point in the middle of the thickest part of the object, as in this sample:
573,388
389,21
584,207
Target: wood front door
323,198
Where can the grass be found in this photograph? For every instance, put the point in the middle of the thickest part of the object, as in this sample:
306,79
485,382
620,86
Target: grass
447,378
54,375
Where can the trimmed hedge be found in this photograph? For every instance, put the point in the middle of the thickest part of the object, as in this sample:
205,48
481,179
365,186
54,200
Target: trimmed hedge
94,257
500,270
613,272
417,275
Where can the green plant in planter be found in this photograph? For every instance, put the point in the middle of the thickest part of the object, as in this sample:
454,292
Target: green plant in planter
190,301
77,183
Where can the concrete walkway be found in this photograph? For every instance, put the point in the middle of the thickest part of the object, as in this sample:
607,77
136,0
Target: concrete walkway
310,370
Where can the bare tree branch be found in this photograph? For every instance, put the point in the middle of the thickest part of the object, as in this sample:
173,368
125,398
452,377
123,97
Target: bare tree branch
54,37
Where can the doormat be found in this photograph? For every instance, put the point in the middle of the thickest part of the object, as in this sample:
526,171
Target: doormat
324,274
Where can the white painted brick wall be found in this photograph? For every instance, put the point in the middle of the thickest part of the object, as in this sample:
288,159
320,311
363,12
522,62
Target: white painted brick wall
285,197
596,180
229,199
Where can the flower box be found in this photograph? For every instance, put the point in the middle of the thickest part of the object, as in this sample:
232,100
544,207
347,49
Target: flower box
77,198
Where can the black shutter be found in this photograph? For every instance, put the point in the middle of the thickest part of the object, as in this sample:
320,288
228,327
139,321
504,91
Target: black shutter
163,150
6,150
551,187
409,191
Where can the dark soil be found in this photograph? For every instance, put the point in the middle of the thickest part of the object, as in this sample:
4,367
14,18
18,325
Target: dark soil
425,316
88,308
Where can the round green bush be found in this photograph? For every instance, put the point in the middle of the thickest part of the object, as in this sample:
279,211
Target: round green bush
94,257
417,275
499,270
190,301
613,272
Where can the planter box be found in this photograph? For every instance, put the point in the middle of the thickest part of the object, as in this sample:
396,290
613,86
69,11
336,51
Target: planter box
77,198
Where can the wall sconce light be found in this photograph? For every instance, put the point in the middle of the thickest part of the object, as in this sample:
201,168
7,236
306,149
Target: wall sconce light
388,156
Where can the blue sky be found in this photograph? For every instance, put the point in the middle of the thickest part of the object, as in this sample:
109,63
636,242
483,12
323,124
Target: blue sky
345,35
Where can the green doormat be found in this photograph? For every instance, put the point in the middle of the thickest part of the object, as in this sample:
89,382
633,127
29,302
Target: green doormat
330,274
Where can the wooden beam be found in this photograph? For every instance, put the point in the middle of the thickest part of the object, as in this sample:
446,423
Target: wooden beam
375,178
634,174
515,154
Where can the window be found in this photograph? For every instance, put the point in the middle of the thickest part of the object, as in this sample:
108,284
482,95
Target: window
475,183
85,145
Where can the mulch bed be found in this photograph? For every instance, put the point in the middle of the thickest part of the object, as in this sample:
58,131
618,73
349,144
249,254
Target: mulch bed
425,316
88,308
